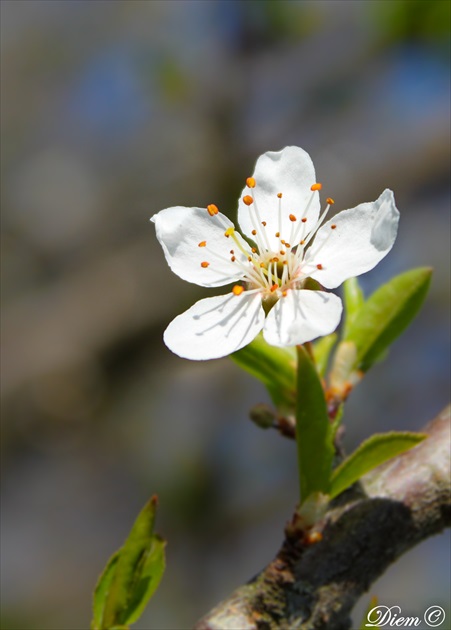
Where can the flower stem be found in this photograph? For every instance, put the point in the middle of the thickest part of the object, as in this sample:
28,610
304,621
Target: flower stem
313,429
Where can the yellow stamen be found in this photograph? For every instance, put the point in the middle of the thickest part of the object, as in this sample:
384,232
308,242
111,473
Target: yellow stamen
229,232
237,289
250,182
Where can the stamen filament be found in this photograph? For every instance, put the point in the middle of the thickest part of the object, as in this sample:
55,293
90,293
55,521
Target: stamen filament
317,226
329,234
265,236
250,273
302,224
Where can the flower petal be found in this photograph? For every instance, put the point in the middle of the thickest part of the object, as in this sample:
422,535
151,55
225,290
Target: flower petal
302,316
290,172
180,231
361,238
216,326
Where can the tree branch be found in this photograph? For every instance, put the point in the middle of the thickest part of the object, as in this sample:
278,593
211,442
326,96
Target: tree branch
314,585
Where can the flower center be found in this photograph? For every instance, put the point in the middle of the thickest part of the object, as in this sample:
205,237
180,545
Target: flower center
282,269
266,269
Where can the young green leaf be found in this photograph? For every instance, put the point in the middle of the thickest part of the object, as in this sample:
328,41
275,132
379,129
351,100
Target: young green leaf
102,590
371,453
313,429
386,313
131,576
368,618
353,300
274,367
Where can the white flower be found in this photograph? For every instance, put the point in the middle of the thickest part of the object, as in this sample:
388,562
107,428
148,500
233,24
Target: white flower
279,212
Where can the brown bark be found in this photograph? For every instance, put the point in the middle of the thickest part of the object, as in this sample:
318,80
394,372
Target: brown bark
314,585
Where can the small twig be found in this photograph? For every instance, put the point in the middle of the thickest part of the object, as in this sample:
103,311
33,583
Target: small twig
315,586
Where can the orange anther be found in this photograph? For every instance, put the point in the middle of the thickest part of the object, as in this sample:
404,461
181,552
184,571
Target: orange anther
316,187
250,182
333,226
237,289
253,250
275,259
274,287
287,245
248,200
204,264
232,251
304,219
277,234
254,232
212,209
262,265
279,195
319,266
330,201
301,242
264,223
282,252
292,217
202,244
233,259
284,294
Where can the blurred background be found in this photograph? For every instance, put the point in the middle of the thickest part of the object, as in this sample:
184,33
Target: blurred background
112,111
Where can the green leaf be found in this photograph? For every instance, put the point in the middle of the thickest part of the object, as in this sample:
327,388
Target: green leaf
371,453
353,300
131,576
336,423
321,352
274,367
386,313
102,590
313,430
